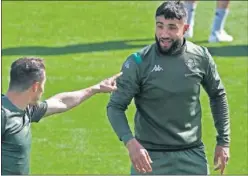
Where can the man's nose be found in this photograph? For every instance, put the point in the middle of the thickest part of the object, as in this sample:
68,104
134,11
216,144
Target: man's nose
165,33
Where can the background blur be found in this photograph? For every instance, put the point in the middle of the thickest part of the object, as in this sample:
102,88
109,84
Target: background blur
85,42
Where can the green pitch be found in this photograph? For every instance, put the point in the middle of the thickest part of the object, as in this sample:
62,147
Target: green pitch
84,42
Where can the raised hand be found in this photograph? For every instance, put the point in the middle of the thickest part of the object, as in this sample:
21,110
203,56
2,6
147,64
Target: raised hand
107,85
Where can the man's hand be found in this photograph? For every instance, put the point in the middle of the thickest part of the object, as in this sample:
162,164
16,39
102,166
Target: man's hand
221,158
139,156
106,86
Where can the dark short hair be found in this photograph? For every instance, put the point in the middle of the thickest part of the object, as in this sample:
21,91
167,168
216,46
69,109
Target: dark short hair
172,10
25,72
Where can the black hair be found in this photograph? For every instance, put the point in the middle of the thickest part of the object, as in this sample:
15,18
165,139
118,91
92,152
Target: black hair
26,71
172,10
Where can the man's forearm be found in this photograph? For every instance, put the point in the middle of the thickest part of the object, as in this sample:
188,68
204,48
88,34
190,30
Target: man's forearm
220,111
67,100
72,99
118,120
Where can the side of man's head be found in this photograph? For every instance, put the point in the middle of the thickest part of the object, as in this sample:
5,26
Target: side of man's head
28,75
171,25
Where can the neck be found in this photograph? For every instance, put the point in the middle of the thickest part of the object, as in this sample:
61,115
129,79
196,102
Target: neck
180,47
19,99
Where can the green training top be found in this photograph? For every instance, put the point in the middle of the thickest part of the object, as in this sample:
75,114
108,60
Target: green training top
166,92
16,136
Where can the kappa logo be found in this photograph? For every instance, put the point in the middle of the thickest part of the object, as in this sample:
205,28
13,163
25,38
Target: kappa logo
157,68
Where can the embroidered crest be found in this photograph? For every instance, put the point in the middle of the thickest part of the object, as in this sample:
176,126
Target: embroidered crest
190,63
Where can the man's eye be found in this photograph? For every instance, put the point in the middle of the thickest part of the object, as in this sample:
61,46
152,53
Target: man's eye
172,27
160,27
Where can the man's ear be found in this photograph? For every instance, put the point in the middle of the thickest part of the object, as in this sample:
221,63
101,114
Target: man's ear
35,86
185,28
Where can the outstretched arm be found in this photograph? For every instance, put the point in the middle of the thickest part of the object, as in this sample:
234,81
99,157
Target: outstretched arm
65,101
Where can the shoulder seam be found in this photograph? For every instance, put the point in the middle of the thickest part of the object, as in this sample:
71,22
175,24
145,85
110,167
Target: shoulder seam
204,51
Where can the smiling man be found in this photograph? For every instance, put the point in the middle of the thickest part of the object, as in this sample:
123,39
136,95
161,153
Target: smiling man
165,80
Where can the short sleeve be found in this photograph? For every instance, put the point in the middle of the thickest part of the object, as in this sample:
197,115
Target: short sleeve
38,111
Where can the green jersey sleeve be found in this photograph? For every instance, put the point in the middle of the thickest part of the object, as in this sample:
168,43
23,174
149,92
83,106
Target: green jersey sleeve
127,89
38,111
218,100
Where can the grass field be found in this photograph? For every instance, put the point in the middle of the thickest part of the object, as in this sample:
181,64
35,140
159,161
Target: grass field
84,42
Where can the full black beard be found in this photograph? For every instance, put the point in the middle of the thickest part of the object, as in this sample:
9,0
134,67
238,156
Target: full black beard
176,45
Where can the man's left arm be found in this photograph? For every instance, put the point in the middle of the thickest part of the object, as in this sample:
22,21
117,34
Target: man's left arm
219,106
214,87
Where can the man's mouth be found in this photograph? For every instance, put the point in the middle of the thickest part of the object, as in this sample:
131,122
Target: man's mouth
165,43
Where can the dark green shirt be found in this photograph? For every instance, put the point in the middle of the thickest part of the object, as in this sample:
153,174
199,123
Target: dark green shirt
16,136
166,92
